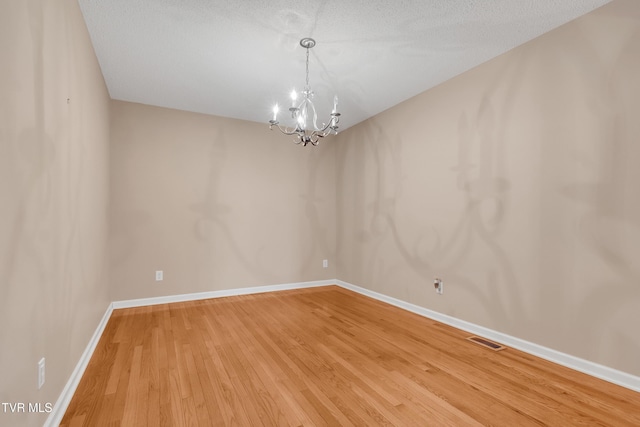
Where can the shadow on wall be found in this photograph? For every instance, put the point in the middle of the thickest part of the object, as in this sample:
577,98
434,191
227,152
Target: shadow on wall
129,224
212,224
212,215
609,226
425,246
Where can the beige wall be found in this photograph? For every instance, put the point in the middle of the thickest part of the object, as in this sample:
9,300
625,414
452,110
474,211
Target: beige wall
518,184
53,198
215,203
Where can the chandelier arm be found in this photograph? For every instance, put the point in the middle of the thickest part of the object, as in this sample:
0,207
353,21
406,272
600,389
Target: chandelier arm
285,130
315,114
300,136
314,138
323,131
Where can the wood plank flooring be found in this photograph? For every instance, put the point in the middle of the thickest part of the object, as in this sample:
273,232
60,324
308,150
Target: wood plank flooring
323,356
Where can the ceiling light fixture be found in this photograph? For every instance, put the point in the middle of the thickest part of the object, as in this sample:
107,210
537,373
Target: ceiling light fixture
304,114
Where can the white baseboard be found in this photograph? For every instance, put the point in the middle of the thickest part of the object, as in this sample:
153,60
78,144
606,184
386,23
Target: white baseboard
596,370
55,417
218,294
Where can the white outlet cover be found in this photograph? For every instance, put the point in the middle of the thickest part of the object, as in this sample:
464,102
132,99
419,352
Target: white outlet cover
159,275
41,377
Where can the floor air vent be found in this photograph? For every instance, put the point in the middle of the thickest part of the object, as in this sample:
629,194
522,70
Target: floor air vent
486,343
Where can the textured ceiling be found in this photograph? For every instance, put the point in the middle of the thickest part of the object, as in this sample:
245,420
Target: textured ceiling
237,58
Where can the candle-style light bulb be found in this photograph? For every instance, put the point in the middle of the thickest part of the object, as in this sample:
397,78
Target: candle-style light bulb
335,104
294,97
275,113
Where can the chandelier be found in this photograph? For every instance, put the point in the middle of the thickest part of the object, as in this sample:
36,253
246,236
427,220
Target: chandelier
304,114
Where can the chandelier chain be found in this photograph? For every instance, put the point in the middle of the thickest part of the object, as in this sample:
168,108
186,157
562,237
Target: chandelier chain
307,86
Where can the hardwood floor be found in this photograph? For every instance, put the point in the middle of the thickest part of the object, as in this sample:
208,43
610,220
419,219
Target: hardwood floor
323,356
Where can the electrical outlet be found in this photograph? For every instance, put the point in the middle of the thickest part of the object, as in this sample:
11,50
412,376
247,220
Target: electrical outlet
438,284
325,263
159,275
41,373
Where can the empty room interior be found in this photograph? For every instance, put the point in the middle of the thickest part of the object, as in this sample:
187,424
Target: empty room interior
175,250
